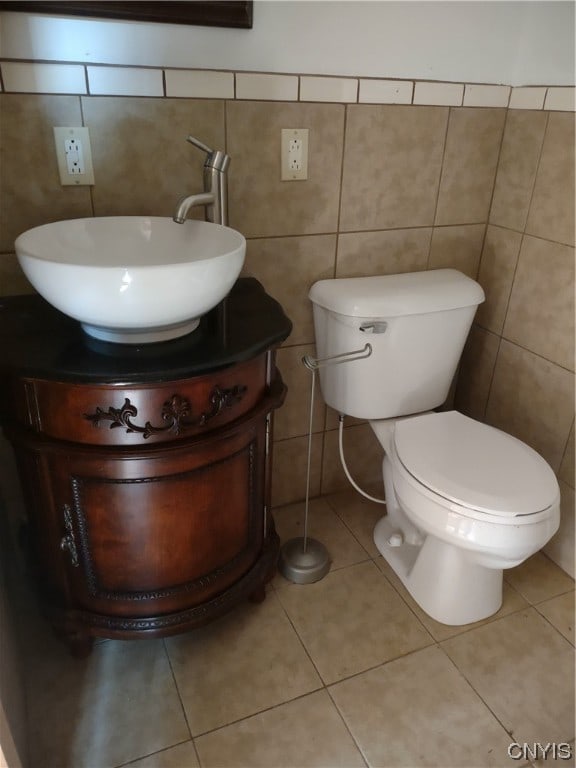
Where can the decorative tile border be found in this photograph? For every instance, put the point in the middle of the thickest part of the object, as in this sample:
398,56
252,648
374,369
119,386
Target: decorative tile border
527,98
438,94
36,77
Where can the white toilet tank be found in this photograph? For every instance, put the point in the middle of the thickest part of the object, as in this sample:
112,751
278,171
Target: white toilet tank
416,324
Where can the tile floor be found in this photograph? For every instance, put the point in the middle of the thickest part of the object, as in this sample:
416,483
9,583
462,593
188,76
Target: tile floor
345,672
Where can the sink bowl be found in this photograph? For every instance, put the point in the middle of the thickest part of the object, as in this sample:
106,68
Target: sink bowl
132,279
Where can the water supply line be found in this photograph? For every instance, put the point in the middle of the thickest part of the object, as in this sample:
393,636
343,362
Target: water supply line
344,466
313,364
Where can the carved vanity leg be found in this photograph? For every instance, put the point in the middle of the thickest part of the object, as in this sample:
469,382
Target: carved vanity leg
79,643
259,594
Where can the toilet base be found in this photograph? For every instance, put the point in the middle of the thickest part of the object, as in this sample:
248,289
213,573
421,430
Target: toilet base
441,578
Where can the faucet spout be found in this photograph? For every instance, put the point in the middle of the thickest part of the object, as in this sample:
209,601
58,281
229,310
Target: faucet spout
215,195
185,204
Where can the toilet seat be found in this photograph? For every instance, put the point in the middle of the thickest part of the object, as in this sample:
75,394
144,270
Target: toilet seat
474,466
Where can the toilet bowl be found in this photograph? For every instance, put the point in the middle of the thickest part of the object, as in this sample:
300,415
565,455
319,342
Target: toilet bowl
464,501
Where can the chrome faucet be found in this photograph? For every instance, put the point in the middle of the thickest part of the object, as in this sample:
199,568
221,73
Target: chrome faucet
215,195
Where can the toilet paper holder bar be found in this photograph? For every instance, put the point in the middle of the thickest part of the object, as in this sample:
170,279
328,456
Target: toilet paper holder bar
313,363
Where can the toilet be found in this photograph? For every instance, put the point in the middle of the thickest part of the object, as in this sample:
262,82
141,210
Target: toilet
464,500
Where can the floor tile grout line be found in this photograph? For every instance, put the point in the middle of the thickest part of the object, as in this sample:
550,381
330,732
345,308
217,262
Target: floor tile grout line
188,725
469,628
406,603
553,597
257,713
461,673
300,640
343,719
136,760
343,521
368,669
547,620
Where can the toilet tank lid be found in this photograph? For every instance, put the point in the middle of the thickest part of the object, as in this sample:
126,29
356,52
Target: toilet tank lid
412,293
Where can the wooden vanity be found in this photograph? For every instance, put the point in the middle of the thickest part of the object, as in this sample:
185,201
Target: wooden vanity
145,469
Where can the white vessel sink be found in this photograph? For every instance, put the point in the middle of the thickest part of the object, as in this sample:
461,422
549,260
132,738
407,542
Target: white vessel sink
132,279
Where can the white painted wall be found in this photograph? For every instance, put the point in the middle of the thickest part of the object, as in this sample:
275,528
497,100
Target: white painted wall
516,43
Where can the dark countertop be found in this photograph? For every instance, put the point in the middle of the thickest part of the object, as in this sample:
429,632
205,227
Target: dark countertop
37,340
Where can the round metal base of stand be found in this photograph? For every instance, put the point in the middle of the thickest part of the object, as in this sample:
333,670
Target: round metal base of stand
304,566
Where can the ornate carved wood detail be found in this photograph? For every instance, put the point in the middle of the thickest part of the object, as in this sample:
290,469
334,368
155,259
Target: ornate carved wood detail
254,578
85,548
68,542
176,413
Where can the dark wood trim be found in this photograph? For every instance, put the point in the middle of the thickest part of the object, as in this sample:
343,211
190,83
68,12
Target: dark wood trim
209,13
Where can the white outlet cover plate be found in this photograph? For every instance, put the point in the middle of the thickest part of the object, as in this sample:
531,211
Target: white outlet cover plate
287,173
82,135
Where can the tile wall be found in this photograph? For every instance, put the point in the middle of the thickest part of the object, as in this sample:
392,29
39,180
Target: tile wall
439,174
518,367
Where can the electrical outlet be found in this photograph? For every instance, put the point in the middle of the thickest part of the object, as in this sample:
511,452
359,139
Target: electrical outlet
294,154
74,156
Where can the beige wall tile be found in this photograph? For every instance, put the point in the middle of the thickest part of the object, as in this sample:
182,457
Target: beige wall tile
486,95
527,97
541,311
475,373
521,147
392,163
552,209
363,455
142,161
449,94
289,469
12,280
328,89
125,81
457,247
30,190
260,203
293,419
496,273
386,91
29,77
560,99
269,87
533,400
561,547
287,267
199,84
472,148
382,253
567,467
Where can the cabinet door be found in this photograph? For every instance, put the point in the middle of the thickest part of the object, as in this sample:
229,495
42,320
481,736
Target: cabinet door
163,530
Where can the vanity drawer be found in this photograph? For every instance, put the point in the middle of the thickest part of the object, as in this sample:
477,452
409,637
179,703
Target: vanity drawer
141,414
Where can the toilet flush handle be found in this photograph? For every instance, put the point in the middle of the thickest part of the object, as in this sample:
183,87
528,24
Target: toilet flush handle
377,326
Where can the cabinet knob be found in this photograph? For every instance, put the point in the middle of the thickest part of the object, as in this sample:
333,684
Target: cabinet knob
68,542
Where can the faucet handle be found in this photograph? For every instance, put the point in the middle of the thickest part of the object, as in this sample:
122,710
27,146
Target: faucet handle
215,159
199,144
